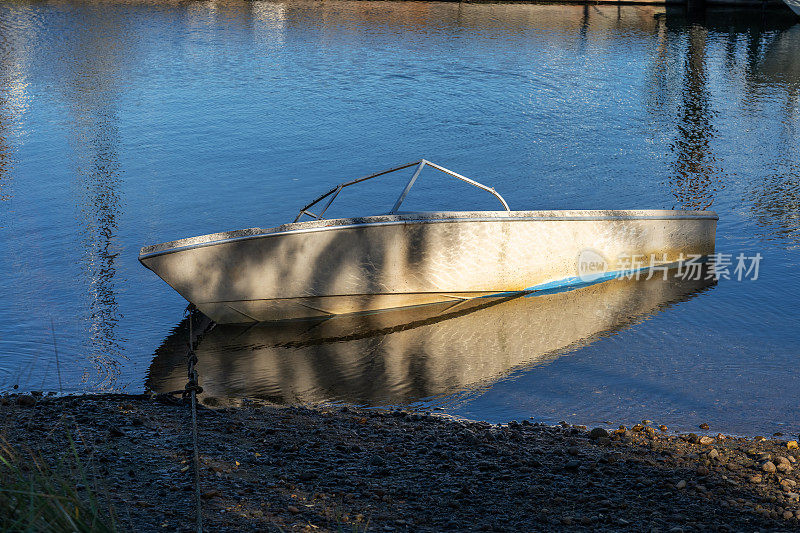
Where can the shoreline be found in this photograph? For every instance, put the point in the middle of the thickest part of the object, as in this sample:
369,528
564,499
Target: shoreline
275,468
689,4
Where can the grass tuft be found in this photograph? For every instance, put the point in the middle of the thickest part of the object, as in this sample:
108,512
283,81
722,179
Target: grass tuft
37,497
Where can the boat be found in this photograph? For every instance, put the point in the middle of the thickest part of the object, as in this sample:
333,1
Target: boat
327,267
794,5
404,356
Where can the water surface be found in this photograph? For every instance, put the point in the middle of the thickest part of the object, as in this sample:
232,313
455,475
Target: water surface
129,124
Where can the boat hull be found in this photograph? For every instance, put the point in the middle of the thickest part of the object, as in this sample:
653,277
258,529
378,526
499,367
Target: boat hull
333,267
794,5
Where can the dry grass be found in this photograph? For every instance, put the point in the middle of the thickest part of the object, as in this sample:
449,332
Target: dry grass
35,496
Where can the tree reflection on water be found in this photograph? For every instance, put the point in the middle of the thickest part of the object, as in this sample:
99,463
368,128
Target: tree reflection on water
697,174
90,82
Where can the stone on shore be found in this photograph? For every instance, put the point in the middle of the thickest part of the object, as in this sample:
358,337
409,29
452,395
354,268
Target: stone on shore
270,468
26,400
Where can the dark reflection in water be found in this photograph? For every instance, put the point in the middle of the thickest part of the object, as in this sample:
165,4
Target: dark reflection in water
775,202
412,355
696,174
5,152
775,199
90,83
777,64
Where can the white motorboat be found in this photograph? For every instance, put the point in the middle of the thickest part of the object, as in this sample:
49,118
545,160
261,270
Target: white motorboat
322,268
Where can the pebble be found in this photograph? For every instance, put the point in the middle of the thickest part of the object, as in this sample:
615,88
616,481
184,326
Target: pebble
431,464
791,445
704,426
768,467
25,400
598,433
706,440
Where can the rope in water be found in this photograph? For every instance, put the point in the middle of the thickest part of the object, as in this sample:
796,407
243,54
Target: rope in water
191,391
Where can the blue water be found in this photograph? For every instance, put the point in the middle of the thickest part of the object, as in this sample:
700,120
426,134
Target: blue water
127,125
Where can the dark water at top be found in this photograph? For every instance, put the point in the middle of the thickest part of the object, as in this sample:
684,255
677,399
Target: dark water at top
126,125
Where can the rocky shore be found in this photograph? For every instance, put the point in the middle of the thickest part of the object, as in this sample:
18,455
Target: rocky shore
271,468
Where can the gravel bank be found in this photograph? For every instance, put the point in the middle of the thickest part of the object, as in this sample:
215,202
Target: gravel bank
269,468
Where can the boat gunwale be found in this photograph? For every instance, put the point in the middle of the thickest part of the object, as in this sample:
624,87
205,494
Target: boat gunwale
439,217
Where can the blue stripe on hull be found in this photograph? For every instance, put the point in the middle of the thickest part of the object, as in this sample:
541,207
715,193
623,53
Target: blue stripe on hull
575,282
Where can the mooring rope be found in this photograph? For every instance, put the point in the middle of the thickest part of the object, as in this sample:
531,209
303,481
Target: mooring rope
191,391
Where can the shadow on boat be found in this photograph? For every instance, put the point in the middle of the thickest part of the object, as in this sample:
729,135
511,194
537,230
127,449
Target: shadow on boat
400,357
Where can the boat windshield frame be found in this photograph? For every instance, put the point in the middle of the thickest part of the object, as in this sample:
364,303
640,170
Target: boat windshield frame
422,163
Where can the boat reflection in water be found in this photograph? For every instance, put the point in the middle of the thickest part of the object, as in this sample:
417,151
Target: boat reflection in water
780,66
405,356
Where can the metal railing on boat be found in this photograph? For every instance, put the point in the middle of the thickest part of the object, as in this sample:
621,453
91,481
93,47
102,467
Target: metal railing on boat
333,193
